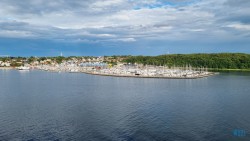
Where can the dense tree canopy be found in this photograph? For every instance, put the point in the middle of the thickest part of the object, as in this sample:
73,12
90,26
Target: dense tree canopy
221,60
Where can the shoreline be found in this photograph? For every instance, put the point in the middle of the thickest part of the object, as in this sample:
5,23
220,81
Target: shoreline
229,70
158,77
6,68
131,71
214,70
126,75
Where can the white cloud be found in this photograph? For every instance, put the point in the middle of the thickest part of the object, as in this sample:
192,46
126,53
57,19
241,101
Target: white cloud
239,26
14,34
119,20
127,39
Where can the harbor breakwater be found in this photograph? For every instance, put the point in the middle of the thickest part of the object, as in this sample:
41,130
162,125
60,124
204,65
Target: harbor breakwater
137,72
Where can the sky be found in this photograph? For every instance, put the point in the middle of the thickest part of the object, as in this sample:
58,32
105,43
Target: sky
123,27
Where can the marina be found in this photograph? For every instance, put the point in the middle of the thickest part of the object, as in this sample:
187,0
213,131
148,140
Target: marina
125,70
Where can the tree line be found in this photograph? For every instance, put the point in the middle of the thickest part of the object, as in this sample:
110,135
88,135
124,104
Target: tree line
215,60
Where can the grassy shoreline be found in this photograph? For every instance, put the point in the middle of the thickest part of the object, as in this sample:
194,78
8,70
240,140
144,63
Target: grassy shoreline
228,70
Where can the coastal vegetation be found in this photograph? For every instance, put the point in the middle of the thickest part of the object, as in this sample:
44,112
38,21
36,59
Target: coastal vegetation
214,61
219,61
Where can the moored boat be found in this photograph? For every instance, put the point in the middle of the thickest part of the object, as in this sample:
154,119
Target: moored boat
23,68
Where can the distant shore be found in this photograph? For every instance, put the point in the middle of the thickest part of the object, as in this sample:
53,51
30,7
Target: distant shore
210,69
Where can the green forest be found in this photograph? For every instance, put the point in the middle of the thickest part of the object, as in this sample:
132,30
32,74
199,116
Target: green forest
213,61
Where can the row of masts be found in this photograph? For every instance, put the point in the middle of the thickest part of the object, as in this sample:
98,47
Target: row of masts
174,67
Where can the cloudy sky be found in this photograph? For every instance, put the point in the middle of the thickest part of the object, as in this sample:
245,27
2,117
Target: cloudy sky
122,27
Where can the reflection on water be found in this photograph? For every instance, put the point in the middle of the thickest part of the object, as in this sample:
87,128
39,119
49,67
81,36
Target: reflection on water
37,105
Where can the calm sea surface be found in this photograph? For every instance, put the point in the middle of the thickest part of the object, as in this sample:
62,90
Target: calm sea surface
39,105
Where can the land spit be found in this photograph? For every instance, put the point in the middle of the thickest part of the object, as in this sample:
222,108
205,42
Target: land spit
133,71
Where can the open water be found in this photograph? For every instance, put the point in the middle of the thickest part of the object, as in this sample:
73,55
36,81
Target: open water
38,105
